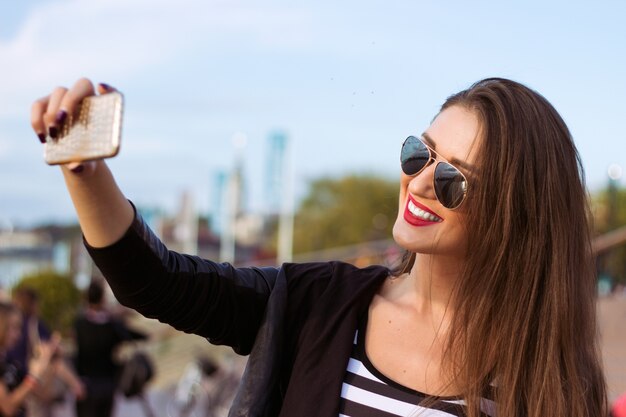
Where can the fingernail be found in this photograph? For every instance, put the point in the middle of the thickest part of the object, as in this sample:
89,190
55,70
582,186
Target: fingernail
42,137
78,169
106,86
53,132
61,116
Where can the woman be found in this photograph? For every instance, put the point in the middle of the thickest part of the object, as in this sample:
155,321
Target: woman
492,310
14,385
53,388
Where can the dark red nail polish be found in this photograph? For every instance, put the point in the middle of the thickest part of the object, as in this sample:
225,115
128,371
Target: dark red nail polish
53,132
60,118
106,86
78,169
42,137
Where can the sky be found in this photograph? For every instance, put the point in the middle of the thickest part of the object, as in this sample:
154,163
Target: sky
347,81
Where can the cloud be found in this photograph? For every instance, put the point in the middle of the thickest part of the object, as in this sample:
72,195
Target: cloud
61,41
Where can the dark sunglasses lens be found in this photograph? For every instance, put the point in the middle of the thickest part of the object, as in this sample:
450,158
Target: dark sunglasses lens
414,156
450,185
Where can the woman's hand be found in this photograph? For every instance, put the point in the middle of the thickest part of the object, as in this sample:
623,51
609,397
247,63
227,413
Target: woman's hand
50,112
103,211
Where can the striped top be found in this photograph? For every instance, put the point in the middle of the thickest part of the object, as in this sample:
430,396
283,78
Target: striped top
366,392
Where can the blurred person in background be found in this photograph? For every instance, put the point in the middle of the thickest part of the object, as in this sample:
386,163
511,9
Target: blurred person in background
98,334
15,384
53,389
491,312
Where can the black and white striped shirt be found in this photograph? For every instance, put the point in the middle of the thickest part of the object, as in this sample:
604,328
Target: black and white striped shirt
368,393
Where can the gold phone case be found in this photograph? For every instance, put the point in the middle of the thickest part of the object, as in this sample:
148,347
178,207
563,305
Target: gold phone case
95,132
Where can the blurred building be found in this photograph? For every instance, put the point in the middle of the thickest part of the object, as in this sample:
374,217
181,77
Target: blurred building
232,233
53,247
21,253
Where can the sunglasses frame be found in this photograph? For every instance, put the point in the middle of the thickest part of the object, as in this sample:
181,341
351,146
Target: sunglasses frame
432,157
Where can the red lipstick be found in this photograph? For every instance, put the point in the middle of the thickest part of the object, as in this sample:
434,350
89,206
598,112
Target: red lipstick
415,220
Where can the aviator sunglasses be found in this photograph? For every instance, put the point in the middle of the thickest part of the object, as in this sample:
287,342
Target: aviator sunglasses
449,183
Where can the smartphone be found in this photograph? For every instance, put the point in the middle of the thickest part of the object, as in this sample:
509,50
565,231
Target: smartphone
93,132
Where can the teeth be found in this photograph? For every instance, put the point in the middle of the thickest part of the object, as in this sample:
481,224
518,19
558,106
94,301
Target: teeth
419,213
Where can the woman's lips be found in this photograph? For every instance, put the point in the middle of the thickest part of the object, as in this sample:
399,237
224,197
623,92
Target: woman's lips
417,214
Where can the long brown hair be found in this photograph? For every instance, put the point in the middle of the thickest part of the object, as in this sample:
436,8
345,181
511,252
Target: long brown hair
525,318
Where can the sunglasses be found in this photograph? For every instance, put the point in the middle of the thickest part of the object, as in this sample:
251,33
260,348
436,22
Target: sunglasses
449,183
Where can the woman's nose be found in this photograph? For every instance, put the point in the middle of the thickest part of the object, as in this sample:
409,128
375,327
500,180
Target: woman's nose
422,184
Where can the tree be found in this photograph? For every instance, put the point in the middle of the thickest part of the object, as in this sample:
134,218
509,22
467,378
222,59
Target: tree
609,210
58,298
344,211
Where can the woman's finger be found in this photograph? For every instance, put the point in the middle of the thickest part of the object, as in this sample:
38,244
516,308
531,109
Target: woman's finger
37,111
69,103
50,115
104,88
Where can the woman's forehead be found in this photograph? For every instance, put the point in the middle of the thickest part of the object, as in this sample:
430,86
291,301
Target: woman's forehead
454,134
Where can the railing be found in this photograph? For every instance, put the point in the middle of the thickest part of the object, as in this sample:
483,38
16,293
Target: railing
386,252
609,240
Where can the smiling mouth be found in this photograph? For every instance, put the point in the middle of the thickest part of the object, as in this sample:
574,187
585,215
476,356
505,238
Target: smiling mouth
418,216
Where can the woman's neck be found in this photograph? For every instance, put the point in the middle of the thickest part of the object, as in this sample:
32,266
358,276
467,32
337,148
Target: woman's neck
433,279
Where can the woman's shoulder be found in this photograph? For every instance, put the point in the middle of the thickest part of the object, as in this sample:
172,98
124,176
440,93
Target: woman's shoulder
337,280
335,270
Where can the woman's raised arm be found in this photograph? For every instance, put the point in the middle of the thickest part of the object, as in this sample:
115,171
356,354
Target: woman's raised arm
103,211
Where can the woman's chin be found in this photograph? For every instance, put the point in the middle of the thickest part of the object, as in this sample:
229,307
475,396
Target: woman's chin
403,238
423,242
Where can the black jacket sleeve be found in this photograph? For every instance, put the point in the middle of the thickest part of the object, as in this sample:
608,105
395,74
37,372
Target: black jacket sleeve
216,301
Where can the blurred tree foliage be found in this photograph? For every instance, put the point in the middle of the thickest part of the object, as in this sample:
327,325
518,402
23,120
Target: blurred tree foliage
344,211
59,298
609,212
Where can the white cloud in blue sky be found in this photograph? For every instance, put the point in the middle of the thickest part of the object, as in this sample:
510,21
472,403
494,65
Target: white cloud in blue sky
347,81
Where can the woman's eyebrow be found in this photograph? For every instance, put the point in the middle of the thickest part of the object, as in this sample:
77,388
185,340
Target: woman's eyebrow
454,161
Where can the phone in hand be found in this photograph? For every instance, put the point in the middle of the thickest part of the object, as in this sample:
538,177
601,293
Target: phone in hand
93,132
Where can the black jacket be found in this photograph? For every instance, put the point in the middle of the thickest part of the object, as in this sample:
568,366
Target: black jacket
296,322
